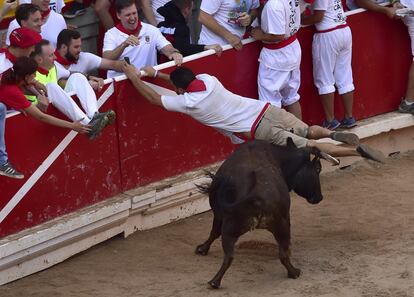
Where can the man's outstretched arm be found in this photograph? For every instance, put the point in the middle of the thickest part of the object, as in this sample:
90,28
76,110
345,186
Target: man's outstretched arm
135,78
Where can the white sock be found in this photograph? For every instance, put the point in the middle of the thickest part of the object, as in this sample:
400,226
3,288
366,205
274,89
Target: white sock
408,102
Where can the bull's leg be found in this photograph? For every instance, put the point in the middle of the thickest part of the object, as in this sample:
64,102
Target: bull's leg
215,232
231,231
281,232
228,243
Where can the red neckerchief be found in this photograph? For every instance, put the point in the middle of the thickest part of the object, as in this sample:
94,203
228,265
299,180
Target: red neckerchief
43,71
196,86
45,14
62,60
129,32
12,58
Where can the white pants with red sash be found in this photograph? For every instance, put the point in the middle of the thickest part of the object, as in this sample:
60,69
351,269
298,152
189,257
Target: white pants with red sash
332,53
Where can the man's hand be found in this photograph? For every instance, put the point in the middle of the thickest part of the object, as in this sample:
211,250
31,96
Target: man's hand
235,42
244,19
132,40
43,99
149,71
398,5
41,88
96,82
80,128
8,6
257,33
216,47
391,12
177,57
130,71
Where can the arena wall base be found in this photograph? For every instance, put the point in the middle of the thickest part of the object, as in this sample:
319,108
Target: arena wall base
154,205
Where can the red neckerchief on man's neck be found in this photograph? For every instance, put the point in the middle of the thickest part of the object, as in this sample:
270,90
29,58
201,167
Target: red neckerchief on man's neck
12,58
45,14
129,32
62,60
43,71
196,86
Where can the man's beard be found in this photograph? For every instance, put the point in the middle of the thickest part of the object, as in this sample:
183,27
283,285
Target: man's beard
71,58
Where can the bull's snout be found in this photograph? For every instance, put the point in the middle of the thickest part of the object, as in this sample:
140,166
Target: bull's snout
315,199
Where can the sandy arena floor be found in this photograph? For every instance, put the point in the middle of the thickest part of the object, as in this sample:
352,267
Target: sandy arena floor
359,241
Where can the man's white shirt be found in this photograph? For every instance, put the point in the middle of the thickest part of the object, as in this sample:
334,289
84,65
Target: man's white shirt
216,106
55,5
87,62
49,30
225,12
144,54
281,18
334,14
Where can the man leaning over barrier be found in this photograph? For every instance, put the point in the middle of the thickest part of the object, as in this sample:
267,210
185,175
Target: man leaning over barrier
206,100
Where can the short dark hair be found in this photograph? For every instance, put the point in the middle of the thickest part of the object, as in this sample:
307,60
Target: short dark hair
38,48
182,77
121,4
183,3
23,66
65,37
24,11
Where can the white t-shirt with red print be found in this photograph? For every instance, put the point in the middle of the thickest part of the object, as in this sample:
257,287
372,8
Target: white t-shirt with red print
226,13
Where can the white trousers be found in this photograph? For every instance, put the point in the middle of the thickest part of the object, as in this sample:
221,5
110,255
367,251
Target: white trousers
409,22
332,54
280,88
79,84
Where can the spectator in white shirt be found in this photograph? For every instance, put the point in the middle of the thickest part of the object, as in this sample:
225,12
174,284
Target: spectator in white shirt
55,5
407,103
332,55
69,57
149,10
135,40
51,22
225,21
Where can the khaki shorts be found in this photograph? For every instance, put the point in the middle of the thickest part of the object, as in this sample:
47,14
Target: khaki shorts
277,125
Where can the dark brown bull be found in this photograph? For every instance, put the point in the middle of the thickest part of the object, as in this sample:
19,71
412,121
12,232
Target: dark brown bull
251,190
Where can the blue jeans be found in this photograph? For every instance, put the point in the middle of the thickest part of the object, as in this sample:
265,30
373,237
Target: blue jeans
3,153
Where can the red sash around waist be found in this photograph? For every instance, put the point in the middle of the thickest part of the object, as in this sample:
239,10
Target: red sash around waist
332,29
281,44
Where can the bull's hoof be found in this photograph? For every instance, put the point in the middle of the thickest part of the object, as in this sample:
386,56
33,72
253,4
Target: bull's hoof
214,284
294,273
202,250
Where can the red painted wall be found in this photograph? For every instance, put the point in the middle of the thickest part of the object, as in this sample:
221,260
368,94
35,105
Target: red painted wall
147,144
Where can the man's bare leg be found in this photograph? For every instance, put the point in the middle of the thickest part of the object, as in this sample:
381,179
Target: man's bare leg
361,150
295,109
407,104
334,150
318,132
409,95
102,10
328,106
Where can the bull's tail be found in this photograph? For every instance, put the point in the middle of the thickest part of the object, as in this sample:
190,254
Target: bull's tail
224,193
206,187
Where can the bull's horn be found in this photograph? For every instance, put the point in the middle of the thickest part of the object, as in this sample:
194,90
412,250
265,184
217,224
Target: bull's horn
330,159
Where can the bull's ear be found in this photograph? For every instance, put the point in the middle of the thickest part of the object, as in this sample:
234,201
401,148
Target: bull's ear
290,143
